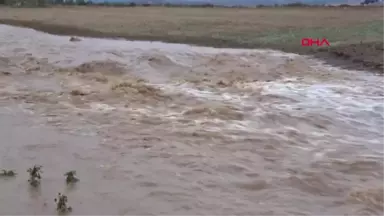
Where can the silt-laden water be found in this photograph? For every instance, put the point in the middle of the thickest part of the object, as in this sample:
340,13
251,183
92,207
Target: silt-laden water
155,128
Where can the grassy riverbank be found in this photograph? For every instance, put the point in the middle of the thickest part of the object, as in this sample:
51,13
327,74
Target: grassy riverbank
355,33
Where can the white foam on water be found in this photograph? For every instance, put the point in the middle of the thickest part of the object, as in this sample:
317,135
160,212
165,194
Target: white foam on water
234,99
328,119
325,96
102,107
351,98
58,50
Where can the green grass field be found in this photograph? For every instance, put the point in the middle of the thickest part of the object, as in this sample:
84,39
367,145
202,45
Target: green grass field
240,27
276,28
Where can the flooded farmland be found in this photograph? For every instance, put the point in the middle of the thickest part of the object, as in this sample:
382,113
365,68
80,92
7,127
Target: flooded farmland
155,128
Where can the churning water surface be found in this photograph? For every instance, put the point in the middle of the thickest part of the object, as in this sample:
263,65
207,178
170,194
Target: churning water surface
155,128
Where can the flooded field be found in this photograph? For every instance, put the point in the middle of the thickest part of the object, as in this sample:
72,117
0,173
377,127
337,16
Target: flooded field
154,128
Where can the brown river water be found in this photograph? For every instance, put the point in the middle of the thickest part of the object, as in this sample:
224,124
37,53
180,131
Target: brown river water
171,129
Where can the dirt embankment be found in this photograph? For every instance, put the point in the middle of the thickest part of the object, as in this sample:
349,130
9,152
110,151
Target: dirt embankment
362,56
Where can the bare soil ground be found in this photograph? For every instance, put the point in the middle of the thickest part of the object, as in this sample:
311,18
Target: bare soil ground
355,33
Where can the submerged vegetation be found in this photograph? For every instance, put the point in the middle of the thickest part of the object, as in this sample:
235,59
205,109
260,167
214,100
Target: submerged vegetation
61,204
34,180
34,175
7,173
71,177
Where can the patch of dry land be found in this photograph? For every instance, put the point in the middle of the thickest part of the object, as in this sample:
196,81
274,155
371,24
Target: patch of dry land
355,33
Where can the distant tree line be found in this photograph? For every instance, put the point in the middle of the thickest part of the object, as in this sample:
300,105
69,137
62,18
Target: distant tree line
24,3
122,4
366,2
203,5
43,3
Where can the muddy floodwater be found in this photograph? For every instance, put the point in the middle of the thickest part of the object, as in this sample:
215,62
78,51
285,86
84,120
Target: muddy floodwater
155,128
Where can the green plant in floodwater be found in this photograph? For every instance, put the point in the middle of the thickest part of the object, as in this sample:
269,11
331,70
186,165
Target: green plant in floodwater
34,175
7,173
71,177
61,204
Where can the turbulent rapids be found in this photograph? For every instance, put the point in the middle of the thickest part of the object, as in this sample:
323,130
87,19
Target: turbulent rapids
155,128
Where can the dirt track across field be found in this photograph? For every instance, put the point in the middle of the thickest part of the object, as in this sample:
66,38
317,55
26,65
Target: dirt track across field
355,33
